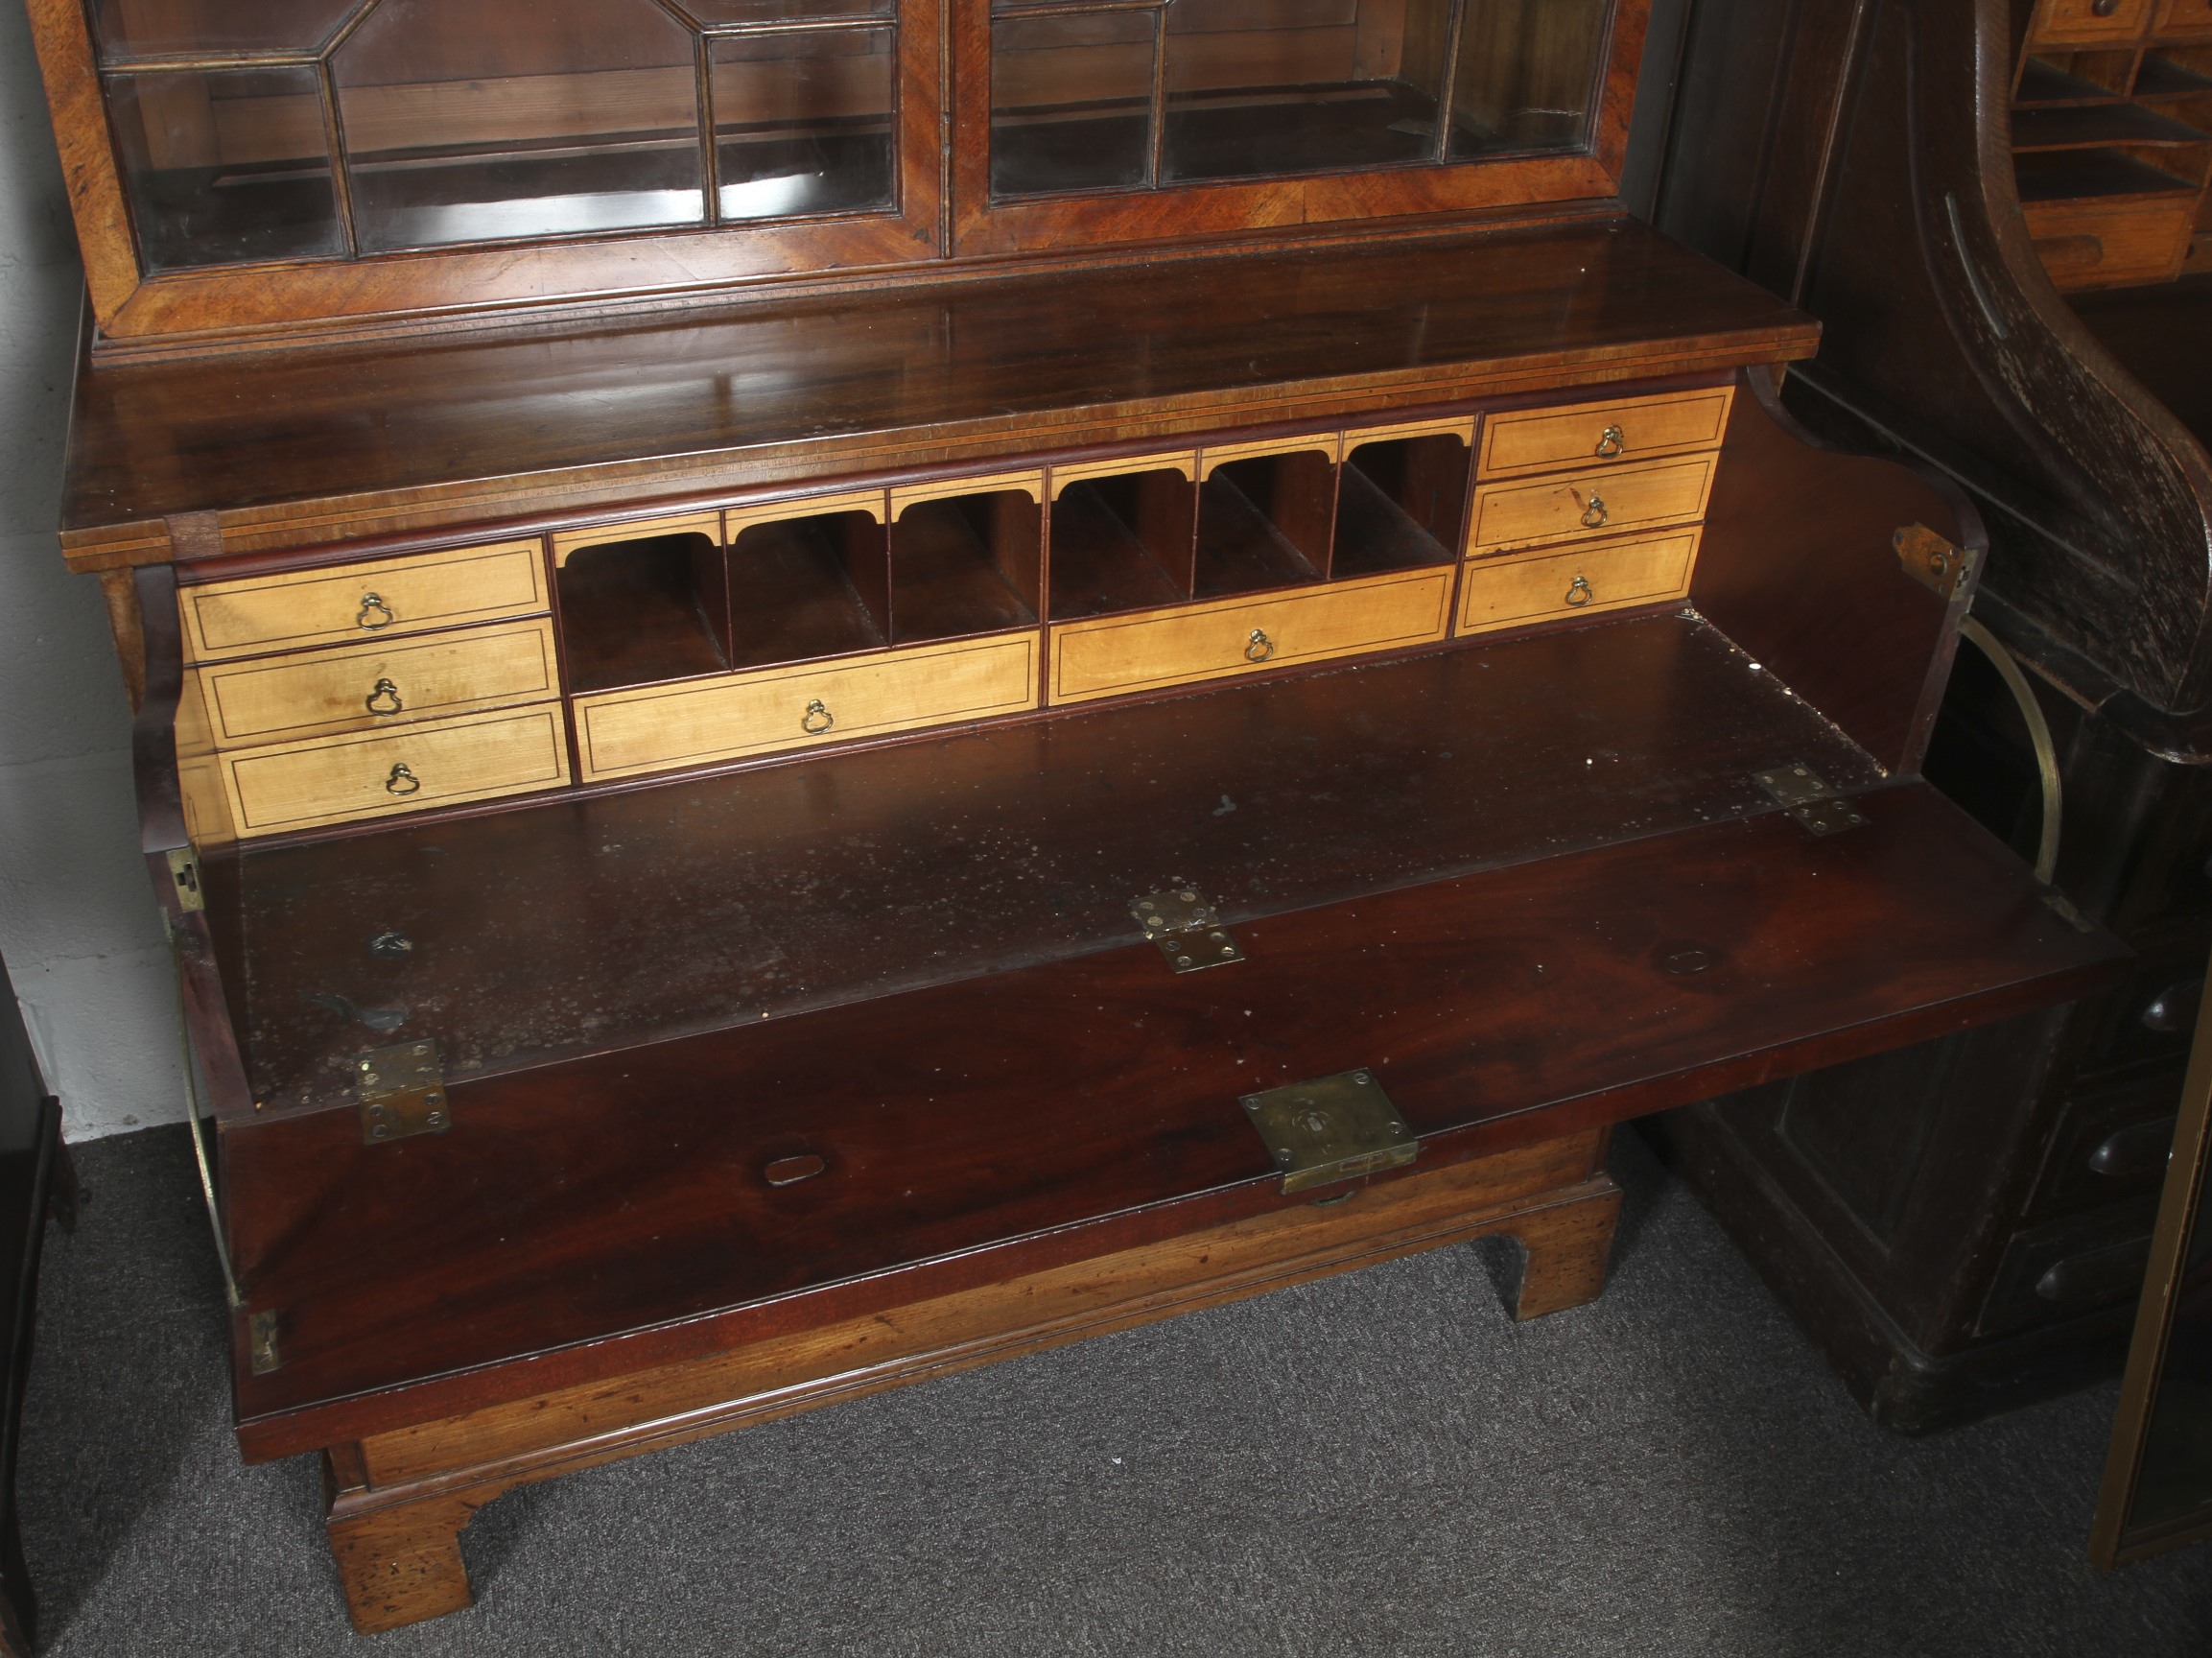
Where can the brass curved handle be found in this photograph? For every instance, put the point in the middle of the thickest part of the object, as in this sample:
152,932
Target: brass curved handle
1594,515
384,700
1259,647
1580,592
372,605
401,774
1611,443
818,719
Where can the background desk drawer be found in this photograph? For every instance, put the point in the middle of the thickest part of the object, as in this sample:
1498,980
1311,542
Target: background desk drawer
439,763
261,614
1512,592
700,722
371,687
1120,654
1582,507
1629,428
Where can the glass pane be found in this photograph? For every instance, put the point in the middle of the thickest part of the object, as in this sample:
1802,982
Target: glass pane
1070,102
1278,87
137,28
713,13
803,122
225,166
462,127
1527,72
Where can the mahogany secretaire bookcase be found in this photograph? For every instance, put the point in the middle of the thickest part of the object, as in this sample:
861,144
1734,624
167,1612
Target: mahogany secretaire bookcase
834,688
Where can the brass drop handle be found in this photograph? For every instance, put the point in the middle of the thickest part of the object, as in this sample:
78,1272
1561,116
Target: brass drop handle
1259,647
2105,7
1611,443
402,781
818,719
373,604
385,698
1580,592
1594,515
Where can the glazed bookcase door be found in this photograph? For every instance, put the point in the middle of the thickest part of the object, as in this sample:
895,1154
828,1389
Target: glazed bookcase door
265,152
1122,120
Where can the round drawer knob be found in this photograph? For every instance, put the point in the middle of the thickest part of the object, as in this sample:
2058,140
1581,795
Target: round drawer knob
375,613
818,719
1580,592
402,781
1259,647
1610,442
385,698
1594,515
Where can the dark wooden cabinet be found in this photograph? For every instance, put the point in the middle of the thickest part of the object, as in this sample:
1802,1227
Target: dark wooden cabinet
1945,1285
866,802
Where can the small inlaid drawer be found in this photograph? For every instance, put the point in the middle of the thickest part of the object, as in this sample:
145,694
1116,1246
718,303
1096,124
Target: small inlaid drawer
2088,22
257,615
365,688
2092,244
2185,20
1625,430
1512,592
734,716
1588,505
1115,655
437,763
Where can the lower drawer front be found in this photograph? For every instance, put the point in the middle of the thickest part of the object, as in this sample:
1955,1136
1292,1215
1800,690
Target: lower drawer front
1514,592
437,763
1119,654
2107,244
1591,505
701,721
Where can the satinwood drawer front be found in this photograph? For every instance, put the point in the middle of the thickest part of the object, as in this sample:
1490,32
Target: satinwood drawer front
2088,22
2092,244
730,717
368,687
1626,430
1511,592
1119,654
2186,18
437,763
1585,506
257,615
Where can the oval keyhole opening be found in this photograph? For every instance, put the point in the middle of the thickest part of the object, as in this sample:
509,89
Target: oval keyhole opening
790,1170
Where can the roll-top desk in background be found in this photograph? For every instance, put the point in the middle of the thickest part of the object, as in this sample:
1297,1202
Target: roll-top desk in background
724,634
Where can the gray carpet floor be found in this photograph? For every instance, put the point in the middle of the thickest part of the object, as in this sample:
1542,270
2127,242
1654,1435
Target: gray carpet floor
1379,1464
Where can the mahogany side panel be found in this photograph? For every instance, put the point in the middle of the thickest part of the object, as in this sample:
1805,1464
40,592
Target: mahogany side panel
1800,567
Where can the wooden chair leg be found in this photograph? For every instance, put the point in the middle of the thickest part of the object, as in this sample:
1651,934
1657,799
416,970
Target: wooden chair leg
400,1563
1565,1246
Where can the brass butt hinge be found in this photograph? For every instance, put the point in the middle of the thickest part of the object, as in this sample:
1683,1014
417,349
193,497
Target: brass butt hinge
1934,563
1186,928
184,877
1334,1128
261,1354
401,1092
1807,796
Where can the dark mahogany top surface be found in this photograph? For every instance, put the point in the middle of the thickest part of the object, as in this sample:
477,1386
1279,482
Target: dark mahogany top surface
888,379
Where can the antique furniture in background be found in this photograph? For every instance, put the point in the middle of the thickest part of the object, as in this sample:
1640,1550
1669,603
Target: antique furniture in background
1963,1227
734,597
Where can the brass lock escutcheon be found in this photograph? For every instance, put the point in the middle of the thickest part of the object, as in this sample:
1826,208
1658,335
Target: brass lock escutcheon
385,698
1612,442
1579,592
1259,647
402,781
1594,515
372,606
818,719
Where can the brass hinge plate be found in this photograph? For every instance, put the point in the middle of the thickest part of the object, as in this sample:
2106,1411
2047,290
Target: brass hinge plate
1334,1128
1186,928
1934,563
401,1092
184,877
261,1353
1807,796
